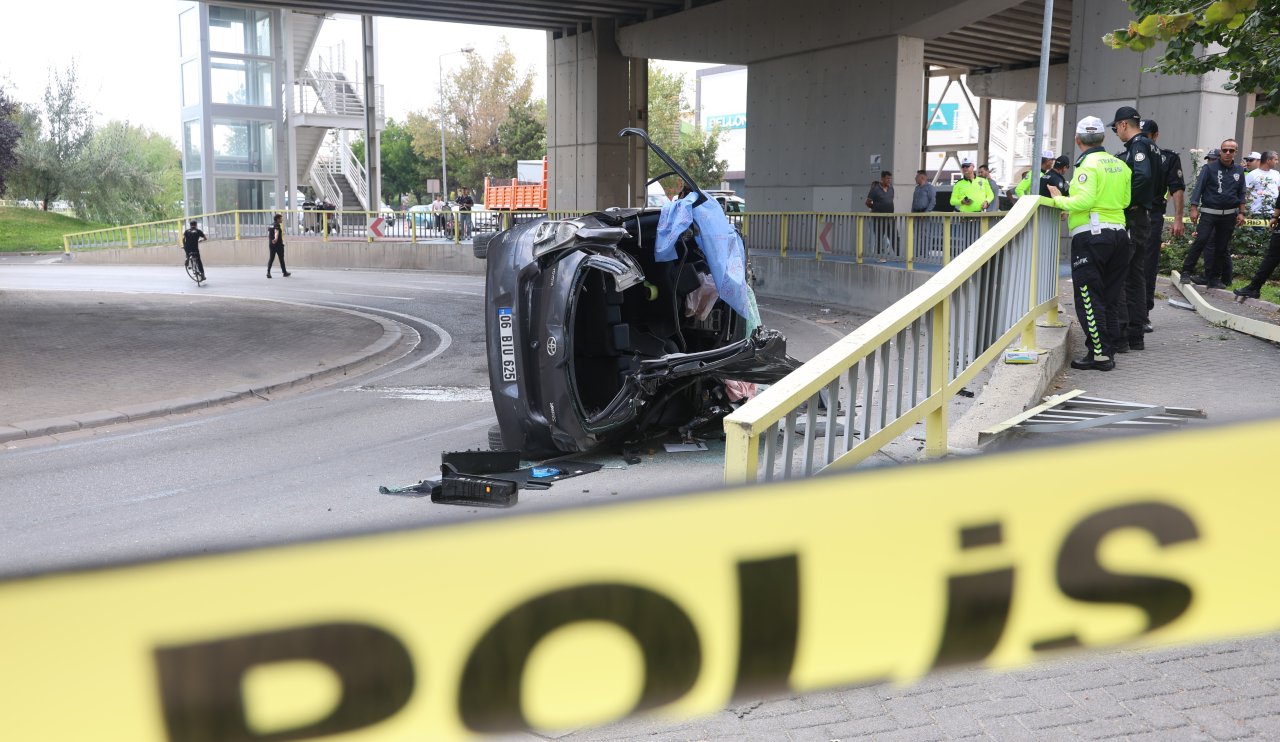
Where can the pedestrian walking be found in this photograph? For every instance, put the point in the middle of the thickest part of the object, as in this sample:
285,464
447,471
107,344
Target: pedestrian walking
1143,158
275,245
1217,207
1100,193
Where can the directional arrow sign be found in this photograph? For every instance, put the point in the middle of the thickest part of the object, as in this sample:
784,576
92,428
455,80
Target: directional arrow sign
375,228
822,237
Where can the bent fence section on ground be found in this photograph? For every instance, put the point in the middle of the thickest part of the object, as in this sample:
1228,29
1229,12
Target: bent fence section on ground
907,363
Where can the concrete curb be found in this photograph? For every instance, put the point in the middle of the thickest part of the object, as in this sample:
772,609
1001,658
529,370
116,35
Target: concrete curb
1246,325
1013,388
383,347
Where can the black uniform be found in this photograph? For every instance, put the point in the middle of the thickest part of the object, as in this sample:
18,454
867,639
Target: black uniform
1055,179
191,243
275,244
1218,194
1171,167
1143,159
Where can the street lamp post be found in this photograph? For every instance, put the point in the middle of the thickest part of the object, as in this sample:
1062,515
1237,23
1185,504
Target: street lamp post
444,165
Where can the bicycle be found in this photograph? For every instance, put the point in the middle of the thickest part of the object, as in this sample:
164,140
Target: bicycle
193,269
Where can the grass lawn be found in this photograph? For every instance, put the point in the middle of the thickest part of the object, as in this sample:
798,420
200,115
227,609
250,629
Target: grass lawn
24,230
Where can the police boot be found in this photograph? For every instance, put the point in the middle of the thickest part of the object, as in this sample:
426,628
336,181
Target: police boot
1094,363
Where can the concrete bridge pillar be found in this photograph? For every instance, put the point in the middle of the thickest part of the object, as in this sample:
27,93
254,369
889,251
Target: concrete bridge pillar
819,118
593,91
1191,111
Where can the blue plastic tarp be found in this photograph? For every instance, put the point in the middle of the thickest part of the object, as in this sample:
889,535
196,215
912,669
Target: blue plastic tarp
719,241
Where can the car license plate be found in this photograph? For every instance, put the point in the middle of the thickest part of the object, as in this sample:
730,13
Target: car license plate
507,343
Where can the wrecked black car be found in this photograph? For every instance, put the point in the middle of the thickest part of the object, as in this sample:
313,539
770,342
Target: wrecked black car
620,325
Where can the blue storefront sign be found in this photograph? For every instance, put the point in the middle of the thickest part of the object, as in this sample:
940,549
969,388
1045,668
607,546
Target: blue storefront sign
728,121
942,117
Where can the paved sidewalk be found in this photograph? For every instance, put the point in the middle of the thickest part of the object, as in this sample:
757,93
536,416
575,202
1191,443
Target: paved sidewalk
76,360
1189,362
1223,691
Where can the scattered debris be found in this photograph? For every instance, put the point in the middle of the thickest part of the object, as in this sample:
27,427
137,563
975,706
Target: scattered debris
488,478
965,393
688,446
1073,411
1180,304
1020,356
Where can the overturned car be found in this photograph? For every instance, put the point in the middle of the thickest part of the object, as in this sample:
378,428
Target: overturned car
621,325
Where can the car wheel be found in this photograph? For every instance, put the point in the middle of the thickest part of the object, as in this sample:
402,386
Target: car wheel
495,439
480,245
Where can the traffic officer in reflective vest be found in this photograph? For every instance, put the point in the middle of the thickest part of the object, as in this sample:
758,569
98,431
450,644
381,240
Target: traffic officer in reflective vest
1100,248
970,194
1143,159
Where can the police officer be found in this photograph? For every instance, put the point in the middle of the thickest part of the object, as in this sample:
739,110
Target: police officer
1024,186
1142,157
1217,207
1057,176
1174,189
1100,248
970,194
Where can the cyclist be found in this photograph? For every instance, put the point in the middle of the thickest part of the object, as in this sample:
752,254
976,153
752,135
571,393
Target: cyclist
191,243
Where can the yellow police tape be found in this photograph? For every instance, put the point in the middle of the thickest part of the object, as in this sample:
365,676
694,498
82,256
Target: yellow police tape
582,616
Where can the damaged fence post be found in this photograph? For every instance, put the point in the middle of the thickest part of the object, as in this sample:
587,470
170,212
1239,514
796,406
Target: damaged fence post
741,453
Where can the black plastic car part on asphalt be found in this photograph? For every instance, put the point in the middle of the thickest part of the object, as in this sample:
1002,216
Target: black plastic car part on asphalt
589,342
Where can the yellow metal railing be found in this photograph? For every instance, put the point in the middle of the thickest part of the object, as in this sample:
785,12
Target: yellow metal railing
904,366
909,239
413,225
906,239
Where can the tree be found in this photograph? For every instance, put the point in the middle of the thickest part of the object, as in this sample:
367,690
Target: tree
128,174
47,158
403,170
478,100
523,136
10,133
1241,37
672,129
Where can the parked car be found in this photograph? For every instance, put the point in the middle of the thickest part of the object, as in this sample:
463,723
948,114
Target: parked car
729,201
589,341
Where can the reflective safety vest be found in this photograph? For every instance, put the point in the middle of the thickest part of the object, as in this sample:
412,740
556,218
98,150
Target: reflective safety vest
1100,190
978,191
1024,186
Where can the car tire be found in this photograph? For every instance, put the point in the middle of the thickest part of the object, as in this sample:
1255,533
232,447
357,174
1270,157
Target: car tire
480,245
495,439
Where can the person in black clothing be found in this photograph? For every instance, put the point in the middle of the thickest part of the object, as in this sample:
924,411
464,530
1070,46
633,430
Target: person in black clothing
1143,158
1269,262
1173,189
465,202
275,244
1217,207
1056,177
191,244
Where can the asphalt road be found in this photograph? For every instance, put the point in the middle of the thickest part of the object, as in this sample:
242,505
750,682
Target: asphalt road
308,464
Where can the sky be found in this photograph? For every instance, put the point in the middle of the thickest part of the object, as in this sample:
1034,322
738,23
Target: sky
130,73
